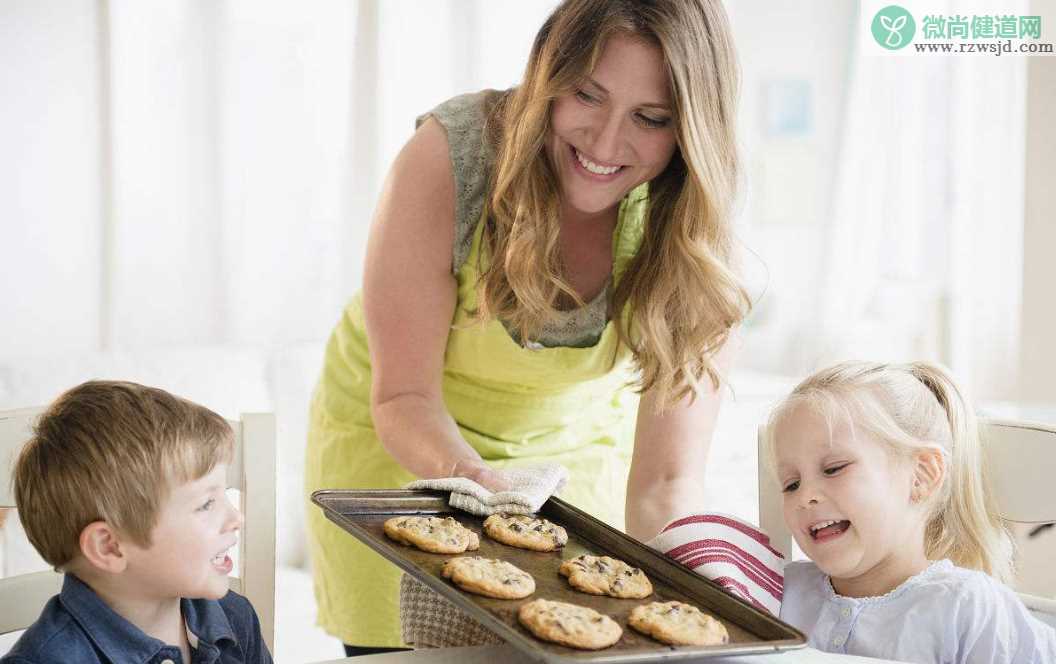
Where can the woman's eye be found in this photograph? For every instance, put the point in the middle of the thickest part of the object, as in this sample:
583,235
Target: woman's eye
207,506
832,470
791,486
586,97
653,123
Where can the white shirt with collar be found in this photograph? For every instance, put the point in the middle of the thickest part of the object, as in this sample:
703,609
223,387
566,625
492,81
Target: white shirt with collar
944,615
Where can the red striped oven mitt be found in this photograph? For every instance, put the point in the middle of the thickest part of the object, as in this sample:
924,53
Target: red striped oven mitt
730,552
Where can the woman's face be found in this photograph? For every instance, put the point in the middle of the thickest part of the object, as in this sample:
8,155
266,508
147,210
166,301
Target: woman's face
616,130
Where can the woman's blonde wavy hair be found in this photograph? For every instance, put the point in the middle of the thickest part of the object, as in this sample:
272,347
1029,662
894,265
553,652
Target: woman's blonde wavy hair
678,299
909,407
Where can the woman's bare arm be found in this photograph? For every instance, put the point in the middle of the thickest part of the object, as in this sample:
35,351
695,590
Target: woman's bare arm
409,297
670,456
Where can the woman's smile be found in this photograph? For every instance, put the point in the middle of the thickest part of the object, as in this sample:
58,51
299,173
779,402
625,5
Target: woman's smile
593,168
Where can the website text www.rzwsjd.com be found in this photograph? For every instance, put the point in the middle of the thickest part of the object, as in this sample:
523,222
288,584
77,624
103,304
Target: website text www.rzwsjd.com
993,48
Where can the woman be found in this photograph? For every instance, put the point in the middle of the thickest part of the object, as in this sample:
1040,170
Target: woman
539,258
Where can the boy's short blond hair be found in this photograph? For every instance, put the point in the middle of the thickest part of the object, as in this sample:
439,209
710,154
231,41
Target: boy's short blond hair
111,451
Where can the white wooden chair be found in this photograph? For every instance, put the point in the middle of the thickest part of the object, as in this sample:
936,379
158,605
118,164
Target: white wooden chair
252,473
1021,459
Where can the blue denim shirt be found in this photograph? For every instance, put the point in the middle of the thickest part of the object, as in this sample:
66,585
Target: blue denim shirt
76,626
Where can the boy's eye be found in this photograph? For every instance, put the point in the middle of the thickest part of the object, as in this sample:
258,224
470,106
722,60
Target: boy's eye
832,470
653,123
791,486
207,505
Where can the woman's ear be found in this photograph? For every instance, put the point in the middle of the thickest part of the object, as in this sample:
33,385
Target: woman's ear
101,547
929,469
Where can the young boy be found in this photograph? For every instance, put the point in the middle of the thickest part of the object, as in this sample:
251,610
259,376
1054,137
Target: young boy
122,488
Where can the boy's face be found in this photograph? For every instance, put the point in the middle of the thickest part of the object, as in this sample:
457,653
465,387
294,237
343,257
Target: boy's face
187,557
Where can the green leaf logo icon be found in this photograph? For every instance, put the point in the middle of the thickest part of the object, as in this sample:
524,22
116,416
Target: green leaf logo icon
893,27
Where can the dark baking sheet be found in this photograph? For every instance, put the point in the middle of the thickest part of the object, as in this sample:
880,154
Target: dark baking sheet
362,514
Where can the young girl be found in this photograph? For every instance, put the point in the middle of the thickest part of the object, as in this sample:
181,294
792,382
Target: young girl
885,492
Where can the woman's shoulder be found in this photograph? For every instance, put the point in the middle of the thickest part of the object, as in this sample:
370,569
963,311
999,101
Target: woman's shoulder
470,156
465,110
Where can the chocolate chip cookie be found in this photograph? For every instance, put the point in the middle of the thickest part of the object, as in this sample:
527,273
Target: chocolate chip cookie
525,532
489,577
432,534
602,575
678,624
569,625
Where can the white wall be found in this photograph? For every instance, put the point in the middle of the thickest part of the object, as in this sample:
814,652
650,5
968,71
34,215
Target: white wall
49,169
1038,346
789,179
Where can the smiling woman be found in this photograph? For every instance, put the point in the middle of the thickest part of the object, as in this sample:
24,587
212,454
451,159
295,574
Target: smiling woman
536,254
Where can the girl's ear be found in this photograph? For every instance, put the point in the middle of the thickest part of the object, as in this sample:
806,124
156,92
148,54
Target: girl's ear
929,469
102,548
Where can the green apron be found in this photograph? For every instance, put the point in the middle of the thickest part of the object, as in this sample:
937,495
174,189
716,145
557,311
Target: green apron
514,405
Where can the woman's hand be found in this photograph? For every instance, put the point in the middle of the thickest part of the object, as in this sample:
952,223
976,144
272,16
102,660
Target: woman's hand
481,473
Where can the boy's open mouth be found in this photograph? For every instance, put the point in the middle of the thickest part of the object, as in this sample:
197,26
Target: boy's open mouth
222,562
826,530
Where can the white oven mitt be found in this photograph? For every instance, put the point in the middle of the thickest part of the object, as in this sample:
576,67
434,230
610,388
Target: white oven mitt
529,489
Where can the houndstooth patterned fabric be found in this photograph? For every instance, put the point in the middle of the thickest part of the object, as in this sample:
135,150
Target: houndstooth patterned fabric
427,620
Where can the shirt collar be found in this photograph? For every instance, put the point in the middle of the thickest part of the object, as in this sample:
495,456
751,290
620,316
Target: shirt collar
120,640
934,567
207,621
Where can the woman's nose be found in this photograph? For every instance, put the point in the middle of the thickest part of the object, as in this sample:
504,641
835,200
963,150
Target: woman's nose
608,135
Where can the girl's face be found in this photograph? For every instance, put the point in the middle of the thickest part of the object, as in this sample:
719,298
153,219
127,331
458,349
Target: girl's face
616,131
847,503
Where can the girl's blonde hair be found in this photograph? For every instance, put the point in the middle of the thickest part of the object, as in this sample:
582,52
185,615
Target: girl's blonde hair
679,299
910,407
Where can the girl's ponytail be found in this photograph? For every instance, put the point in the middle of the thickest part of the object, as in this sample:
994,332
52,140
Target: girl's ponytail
964,525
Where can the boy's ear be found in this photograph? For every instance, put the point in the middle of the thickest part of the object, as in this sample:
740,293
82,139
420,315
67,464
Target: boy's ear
929,469
101,547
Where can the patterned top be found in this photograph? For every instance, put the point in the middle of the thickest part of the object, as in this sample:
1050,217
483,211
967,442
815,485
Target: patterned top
464,117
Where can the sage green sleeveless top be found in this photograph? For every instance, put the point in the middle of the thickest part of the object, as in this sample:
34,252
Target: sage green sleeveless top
515,405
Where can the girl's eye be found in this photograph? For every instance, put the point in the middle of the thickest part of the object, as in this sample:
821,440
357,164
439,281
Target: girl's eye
586,97
791,486
207,506
653,123
832,470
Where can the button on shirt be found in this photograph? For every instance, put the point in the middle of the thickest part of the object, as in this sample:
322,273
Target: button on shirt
944,615
77,626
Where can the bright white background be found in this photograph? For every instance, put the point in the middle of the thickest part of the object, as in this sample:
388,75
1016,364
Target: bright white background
186,188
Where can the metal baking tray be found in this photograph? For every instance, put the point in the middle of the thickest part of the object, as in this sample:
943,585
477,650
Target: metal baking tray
752,631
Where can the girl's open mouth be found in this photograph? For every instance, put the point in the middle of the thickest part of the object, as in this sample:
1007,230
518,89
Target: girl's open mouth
824,531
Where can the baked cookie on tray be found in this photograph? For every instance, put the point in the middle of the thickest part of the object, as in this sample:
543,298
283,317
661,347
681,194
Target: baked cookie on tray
602,575
678,624
525,532
489,577
432,534
569,624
